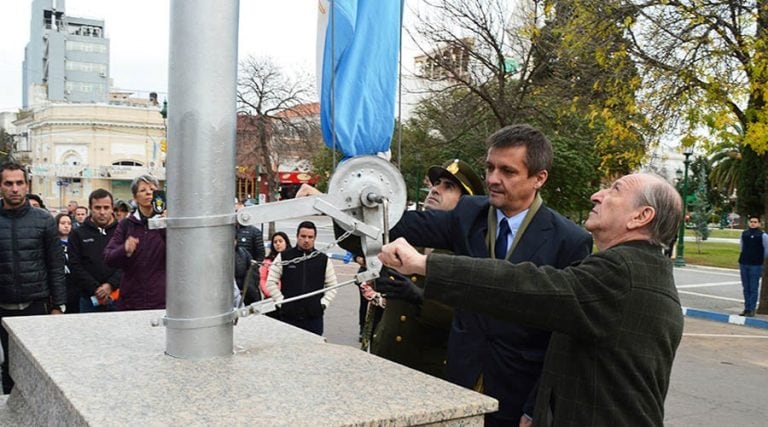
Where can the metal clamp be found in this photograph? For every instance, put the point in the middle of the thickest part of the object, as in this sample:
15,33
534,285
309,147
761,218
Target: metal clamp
198,322
192,222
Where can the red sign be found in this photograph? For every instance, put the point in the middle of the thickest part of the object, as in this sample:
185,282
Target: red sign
297,178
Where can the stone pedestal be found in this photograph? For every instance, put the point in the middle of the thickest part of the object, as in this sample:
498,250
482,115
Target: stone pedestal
110,369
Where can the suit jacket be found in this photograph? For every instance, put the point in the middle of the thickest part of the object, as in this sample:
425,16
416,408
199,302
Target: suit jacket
616,322
509,356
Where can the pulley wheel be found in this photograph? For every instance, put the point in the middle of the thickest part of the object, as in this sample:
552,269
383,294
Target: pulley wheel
371,174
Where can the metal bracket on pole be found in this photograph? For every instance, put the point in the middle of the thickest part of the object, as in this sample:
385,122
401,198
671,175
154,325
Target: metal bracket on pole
198,322
191,222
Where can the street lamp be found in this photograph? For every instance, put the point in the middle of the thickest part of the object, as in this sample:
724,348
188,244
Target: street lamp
679,260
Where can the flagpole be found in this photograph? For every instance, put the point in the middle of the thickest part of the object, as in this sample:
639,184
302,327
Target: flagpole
400,96
333,83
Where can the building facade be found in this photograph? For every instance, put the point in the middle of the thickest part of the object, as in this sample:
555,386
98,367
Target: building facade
73,149
292,137
66,58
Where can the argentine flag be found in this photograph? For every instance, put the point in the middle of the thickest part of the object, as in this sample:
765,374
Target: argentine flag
357,66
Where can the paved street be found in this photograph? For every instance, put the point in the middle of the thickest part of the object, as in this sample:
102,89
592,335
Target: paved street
710,288
720,370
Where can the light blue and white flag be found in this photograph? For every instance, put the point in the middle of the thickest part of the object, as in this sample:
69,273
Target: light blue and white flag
358,46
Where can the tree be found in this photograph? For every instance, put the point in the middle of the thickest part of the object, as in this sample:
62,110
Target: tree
490,65
6,145
265,93
725,165
701,212
704,64
583,70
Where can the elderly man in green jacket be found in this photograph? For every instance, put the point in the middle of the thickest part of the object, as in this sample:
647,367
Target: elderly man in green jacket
615,316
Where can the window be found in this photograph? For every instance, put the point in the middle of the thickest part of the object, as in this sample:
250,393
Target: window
85,47
85,87
127,163
86,66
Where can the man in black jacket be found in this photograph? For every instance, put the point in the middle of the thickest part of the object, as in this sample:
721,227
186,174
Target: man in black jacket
249,246
93,279
305,270
31,258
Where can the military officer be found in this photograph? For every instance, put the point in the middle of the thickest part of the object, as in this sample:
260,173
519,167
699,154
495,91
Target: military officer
413,331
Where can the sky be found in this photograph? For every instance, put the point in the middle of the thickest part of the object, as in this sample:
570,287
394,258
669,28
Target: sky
284,30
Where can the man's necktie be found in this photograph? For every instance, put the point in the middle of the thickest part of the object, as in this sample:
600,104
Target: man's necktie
501,240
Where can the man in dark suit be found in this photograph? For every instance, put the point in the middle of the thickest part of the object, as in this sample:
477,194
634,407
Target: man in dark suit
615,316
500,358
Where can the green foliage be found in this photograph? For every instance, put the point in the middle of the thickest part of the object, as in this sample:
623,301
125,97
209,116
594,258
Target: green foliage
323,166
705,64
575,80
700,214
714,254
717,199
575,173
586,63
751,183
725,167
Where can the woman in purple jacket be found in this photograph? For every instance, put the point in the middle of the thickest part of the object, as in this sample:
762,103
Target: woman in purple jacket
139,252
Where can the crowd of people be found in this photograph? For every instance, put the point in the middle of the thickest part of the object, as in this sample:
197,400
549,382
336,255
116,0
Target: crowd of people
102,257
504,295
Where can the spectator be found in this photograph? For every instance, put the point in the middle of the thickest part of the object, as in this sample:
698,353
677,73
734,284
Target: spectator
122,209
71,206
64,226
139,252
31,260
81,213
279,242
35,201
754,250
96,282
314,274
249,246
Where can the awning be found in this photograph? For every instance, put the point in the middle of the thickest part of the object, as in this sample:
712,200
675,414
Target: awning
297,178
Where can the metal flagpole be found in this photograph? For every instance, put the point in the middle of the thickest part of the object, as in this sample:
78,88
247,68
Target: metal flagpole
202,80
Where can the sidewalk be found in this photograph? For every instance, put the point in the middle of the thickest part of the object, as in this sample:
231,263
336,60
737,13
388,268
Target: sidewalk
759,321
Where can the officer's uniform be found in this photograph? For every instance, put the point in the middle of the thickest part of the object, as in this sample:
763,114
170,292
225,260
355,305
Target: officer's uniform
416,335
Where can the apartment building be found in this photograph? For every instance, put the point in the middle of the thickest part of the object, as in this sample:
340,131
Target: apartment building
66,58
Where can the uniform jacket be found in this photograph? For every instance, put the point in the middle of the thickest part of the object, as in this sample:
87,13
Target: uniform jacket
414,335
86,258
142,286
507,356
616,323
31,257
